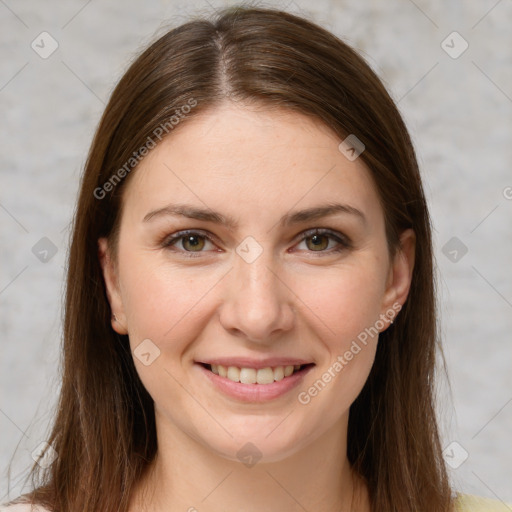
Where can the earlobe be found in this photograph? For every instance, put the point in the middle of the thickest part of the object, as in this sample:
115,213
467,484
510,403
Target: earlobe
111,285
400,276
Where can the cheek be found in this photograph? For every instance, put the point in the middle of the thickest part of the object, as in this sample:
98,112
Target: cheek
161,301
168,306
344,300
344,308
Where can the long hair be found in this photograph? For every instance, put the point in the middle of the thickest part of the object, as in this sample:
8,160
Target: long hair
104,427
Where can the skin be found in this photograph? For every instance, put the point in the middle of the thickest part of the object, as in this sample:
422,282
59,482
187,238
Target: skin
296,299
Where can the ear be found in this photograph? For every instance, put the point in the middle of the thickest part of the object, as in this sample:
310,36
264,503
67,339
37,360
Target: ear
112,287
400,276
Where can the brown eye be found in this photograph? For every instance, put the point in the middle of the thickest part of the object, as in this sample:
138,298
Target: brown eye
318,242
193,243
325,241
188,242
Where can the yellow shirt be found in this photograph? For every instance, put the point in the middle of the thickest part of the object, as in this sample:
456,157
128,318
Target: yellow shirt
470,503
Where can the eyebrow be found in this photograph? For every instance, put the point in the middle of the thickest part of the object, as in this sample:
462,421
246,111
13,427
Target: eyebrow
291,218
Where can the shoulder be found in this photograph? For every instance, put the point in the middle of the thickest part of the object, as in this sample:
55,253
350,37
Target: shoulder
22,507
471,503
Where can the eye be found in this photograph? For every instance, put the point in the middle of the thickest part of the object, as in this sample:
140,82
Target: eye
317,240
190,241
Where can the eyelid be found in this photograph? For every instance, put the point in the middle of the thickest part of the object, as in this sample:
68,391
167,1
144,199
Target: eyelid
343,240
169,240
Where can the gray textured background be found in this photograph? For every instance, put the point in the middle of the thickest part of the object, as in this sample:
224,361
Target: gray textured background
459,111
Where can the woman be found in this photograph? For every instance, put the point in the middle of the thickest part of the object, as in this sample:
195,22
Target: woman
229,346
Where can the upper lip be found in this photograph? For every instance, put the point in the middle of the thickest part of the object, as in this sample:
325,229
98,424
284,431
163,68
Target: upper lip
247,362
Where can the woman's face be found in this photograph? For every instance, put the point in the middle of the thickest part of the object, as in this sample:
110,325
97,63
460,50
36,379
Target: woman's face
250,285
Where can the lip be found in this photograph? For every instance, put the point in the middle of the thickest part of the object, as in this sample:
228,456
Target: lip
255,393
246,362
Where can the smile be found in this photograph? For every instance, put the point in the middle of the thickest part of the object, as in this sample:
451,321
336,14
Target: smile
255,385
266,375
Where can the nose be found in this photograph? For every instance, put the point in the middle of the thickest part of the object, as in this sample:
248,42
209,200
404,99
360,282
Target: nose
258,304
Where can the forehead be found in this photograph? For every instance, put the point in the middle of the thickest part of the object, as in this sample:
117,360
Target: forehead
250,163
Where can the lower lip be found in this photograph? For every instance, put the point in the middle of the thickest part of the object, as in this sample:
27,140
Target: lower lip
255,392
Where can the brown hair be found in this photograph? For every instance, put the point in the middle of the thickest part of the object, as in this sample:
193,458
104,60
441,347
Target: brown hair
104,429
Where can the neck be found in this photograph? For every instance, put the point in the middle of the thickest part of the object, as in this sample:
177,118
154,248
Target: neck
186,475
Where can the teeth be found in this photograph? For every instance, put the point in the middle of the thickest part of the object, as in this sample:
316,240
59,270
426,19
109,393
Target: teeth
234,374
248,375
252,375
279,373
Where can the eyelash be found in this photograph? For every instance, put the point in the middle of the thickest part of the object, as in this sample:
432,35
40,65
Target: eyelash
343,241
